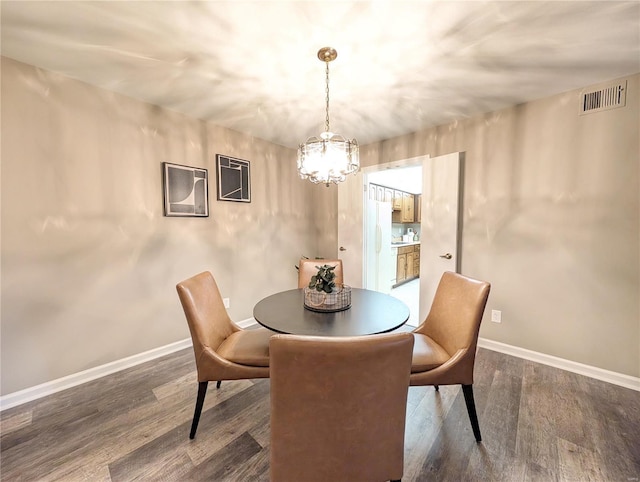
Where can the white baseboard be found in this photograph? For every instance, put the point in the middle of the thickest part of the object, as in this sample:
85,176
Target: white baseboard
620,379
48,388
247,323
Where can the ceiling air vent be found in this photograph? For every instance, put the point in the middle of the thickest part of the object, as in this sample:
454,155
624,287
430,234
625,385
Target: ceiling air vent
610,97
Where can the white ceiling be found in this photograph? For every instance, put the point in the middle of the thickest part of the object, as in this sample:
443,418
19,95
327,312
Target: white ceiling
251,66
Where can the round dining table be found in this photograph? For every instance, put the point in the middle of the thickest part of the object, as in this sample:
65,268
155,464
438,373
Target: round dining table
371,312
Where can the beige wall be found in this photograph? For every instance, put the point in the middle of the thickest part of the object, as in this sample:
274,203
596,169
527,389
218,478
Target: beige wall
551,218
89,262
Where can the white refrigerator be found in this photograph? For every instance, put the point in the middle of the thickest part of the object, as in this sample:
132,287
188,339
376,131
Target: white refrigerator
378,262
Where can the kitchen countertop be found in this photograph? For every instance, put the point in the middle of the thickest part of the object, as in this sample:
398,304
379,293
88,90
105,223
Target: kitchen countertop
400,245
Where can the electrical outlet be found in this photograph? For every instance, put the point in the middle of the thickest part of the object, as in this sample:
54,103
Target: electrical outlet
496,316
226,302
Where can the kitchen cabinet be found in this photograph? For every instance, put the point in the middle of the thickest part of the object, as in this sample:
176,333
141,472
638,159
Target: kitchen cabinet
407,207
397,201
418,210
401,269
403,204
416,261
405,215
410,274
408,263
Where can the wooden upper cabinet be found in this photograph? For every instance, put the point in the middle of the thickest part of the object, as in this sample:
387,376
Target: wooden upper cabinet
397,200
407,208
418,210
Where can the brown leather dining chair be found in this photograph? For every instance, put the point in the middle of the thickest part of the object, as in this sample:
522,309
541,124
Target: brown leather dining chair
307,268
223,351
338,407
445,343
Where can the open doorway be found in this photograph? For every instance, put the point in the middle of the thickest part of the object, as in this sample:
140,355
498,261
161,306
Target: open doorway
392,234
440,222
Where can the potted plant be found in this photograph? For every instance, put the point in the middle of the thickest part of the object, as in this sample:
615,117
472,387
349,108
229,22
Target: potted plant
323,280
322,294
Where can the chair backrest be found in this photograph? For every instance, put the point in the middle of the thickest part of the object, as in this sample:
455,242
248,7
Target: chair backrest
338,406
307,268
207,317
456,312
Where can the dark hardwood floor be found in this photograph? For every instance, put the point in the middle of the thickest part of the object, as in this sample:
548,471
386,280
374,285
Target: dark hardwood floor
537,422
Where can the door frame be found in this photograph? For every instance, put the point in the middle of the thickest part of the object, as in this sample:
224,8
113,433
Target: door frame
409,162
353,193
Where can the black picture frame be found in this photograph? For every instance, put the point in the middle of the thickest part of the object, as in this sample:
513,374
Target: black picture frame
234,179
186,190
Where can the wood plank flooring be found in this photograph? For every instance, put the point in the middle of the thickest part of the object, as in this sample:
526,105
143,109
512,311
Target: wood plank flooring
538,424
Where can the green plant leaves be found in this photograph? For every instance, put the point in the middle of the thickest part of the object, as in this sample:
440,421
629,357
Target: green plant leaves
324,279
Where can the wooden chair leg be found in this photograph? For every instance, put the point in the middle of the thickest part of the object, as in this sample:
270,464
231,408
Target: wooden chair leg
471,408
202,391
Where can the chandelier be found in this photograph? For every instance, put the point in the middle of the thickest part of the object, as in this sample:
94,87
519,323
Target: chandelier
331,157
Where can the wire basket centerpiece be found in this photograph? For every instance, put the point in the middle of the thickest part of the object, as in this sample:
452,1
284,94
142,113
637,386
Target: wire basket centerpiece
323,294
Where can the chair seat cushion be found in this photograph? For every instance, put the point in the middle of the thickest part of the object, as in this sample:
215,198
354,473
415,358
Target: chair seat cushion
247,347
427,354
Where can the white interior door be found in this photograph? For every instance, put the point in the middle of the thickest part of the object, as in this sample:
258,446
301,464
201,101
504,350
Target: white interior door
441,223
351,197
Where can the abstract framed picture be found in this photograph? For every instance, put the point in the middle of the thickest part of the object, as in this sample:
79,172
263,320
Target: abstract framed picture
186,190
234,179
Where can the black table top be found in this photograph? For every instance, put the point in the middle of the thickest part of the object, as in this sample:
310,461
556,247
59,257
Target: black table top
371,312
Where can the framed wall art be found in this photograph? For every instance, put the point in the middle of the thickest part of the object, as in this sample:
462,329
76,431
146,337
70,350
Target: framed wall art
234,179
186,190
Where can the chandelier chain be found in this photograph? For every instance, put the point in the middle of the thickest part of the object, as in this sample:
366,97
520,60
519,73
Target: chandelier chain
326,121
